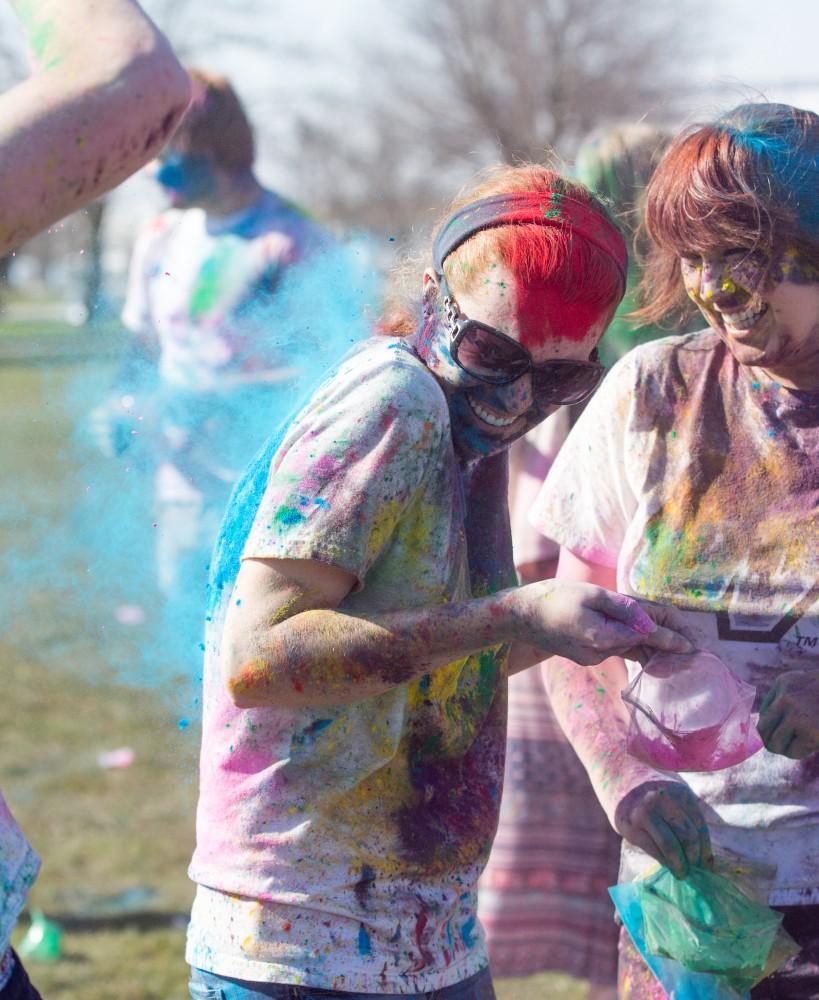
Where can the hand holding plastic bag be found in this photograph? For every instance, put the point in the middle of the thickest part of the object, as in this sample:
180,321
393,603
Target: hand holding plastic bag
690,713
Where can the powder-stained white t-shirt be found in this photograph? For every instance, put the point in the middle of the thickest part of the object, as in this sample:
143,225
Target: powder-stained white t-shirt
698,479
340,847
193,279
19,866
205,291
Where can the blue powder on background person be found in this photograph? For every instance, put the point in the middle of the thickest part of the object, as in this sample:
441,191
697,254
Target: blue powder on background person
237,304
80,553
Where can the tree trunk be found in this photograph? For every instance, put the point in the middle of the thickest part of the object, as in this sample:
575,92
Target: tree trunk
93,281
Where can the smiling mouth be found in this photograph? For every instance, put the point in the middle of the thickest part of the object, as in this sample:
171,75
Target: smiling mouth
490,418
735,322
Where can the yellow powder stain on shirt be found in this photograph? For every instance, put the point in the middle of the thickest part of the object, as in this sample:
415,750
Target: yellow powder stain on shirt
383,526
442,684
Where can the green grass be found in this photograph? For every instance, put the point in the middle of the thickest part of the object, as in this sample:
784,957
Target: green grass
34,328
100,833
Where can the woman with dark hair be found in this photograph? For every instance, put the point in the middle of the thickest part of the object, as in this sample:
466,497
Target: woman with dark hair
363,601
211,352
692,479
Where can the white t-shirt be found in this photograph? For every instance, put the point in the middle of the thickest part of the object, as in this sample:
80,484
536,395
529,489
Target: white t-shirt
19,866
698,479
340,847
192,277
205,292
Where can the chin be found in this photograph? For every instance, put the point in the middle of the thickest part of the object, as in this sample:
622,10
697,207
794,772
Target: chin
751,355
181,201
470,442
470,447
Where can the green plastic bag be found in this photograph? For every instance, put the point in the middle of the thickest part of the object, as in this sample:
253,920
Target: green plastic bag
709,924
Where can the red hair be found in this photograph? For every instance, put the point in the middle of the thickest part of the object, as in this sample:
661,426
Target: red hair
749,180
576,270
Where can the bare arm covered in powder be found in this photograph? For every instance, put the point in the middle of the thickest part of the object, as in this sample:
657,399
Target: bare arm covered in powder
652,810
104,97
287,645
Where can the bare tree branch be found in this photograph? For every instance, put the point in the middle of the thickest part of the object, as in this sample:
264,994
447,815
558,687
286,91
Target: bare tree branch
474,81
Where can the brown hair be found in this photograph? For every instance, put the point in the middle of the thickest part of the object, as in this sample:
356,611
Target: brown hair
215,124
580,271
750,180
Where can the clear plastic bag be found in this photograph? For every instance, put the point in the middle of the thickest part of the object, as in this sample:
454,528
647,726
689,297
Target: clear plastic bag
690,713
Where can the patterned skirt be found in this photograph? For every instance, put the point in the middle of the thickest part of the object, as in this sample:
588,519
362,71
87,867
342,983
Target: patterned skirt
543,898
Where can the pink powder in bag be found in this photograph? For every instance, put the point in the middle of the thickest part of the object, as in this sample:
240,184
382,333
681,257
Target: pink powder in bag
690,713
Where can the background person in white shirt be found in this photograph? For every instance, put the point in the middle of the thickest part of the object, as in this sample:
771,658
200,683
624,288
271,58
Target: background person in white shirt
209,371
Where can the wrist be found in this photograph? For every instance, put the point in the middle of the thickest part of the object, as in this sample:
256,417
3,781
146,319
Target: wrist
620,777
509,617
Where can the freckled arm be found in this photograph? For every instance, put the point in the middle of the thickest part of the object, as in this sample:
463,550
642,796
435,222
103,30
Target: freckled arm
587,704
284,646
104,97
286,642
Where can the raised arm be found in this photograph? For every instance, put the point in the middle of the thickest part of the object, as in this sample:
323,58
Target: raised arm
653,810
105,95
287,644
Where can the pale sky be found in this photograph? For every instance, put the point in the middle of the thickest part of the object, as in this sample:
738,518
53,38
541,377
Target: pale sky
749,48
768,46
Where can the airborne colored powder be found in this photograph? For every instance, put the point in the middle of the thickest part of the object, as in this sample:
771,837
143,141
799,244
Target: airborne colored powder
80,532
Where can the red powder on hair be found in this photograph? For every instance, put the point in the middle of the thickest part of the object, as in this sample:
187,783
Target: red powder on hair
565,284
546,315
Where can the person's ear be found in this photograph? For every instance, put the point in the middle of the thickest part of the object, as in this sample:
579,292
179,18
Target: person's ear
431,288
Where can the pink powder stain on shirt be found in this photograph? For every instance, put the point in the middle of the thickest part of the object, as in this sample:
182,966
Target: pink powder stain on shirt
425,958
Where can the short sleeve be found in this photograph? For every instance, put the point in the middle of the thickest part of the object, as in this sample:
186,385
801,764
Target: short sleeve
587,503
353,461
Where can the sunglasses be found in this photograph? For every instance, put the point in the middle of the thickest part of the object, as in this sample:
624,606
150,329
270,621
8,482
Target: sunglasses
490,356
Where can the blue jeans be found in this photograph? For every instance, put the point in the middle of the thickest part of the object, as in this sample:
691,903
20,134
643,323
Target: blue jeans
19,986
207,986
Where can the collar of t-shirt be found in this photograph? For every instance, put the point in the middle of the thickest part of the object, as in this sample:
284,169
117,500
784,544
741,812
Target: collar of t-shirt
216,224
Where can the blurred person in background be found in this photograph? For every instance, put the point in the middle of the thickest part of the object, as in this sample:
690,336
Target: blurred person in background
362,602
89,115
204,372
543,897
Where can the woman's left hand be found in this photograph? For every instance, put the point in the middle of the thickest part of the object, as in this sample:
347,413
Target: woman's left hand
789,715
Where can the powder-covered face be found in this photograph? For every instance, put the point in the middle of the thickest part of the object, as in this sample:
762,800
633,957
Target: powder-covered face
188,179
765,309
487,418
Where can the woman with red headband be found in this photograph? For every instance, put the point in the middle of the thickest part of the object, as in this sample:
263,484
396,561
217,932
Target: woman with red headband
362,605
692,478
